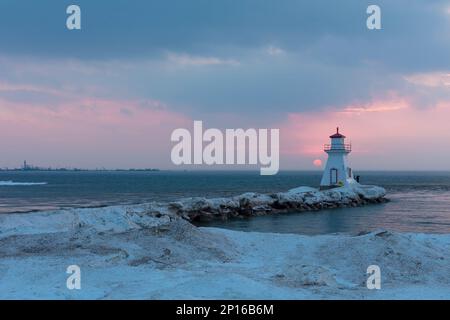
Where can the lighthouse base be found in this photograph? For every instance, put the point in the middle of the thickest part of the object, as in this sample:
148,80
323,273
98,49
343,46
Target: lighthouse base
328,187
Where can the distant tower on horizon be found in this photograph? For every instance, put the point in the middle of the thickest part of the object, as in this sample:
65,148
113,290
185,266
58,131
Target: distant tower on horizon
337,172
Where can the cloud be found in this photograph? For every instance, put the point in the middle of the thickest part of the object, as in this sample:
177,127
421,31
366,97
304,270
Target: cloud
386,106
433,79
274,51
185,53
188,60
141,28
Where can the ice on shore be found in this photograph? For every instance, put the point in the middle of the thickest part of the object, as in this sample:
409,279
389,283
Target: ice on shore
143,252
13,183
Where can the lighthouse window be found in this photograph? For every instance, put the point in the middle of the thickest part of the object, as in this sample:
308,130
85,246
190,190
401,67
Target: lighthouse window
334,176
349,172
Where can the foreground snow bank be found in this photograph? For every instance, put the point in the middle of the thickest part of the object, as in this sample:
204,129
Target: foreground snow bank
110,219
137,252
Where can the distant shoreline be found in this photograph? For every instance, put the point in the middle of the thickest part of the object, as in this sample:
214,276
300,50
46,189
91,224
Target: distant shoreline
74,170
209,170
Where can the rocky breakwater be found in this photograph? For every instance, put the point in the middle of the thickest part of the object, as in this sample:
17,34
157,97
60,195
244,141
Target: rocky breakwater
298,199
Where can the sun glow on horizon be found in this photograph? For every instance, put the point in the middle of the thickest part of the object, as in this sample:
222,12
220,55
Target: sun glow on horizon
317,163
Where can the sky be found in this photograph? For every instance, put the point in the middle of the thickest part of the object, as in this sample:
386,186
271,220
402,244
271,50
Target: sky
109,95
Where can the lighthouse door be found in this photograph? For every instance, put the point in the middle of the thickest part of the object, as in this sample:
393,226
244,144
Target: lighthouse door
333,176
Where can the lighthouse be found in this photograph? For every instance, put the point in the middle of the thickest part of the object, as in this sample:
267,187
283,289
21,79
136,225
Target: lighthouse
337,172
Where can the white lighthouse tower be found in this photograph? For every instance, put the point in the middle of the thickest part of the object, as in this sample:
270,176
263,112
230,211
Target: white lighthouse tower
337,172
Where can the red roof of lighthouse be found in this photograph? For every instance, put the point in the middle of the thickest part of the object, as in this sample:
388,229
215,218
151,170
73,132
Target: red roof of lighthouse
337,134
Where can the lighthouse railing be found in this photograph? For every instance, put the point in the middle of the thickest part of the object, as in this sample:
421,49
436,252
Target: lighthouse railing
338,147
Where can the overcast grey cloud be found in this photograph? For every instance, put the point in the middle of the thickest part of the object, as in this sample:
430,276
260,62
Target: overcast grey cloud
206,56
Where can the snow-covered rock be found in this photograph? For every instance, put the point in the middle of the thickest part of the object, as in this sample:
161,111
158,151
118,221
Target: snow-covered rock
297,199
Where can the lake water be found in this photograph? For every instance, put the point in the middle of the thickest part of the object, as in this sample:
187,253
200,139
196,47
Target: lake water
420,201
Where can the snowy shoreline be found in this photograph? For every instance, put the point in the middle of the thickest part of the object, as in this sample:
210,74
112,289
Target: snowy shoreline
141,252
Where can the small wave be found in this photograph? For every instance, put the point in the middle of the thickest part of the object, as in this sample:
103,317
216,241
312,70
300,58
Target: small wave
12,183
